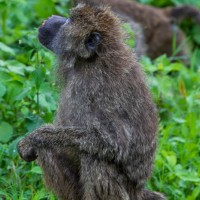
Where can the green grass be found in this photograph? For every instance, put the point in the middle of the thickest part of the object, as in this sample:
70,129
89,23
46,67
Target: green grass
177,169
28,98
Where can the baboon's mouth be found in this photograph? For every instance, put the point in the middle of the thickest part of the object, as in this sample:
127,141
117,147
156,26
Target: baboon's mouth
49,28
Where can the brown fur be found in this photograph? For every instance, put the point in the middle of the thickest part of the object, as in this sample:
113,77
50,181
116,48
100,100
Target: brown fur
103,141
158,26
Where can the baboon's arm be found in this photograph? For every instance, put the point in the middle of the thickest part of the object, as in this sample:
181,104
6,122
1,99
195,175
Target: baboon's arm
88,141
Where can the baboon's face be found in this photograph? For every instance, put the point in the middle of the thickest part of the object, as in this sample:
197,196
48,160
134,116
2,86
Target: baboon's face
74,35
82,34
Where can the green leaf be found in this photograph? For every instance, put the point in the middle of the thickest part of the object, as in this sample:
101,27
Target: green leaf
6,49
2,89
188,176
13,147
6,132
44,8
172,160
34,121
5,76
14,88
179,120
36,170
39,77
23,93
16,67
2,63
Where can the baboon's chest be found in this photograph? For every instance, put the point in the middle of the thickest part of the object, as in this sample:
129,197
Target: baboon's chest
80,111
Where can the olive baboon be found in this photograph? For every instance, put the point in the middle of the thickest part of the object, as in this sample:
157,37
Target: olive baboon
103,141
155,29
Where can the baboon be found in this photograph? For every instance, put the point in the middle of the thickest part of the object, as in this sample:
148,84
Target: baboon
103,141
155,29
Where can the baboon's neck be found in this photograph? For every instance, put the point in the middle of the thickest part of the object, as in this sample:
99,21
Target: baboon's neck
111,64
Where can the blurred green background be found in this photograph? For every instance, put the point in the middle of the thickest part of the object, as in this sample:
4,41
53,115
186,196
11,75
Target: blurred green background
28,98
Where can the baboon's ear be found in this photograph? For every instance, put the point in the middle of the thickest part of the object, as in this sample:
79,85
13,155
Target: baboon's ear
93,41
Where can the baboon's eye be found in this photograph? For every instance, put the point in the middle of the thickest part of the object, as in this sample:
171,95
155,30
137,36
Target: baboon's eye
93,41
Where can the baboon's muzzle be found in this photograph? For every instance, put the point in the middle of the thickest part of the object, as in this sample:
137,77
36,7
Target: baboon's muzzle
49,29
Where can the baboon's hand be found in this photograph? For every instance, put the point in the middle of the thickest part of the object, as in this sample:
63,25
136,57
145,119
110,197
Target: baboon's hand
28,146
26,150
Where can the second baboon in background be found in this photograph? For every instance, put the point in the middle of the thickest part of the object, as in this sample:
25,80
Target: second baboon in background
103,141
156,30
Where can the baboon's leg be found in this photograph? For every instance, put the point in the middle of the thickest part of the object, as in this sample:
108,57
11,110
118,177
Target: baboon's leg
101,181
60,175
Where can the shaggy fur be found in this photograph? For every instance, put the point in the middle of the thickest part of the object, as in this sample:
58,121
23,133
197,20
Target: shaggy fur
158,26
103,140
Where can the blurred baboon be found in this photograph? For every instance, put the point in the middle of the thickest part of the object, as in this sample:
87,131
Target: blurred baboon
102,143
155,29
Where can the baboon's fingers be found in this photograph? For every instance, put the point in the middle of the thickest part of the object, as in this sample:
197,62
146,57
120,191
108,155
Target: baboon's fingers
26,152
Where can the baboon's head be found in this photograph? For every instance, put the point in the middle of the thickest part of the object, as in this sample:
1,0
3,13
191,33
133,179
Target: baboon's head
86,32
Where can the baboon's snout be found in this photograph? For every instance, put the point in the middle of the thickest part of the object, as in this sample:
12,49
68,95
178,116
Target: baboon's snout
49,29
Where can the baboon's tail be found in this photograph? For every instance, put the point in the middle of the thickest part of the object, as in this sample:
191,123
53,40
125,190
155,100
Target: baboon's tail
149,195
180,13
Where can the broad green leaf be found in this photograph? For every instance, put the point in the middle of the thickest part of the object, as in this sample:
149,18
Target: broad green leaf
14,88
172,160
23,93
36,170
6,132
16,67
2,63
179,120
6,49
44,8
33,122
2,89
5,76
188,176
